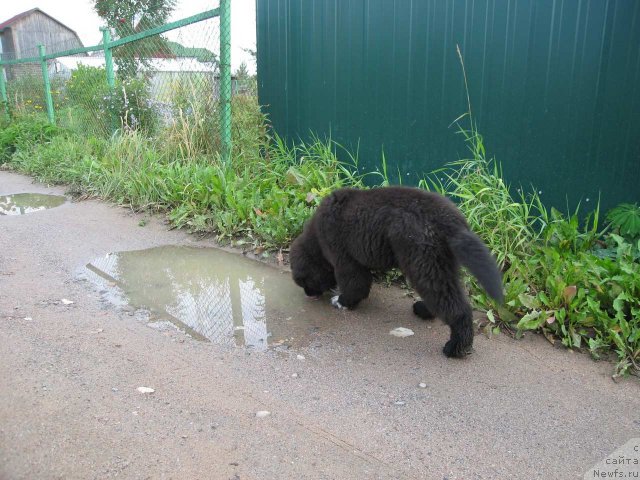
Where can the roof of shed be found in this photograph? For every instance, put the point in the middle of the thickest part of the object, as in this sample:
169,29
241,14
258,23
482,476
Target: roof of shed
14,19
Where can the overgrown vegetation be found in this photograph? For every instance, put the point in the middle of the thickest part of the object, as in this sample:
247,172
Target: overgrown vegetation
263,196
575,281
571,280
25,94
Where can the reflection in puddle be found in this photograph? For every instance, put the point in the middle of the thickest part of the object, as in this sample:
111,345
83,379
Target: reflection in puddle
212,294
22,203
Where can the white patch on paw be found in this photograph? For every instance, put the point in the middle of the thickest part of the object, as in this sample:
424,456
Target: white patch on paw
336,303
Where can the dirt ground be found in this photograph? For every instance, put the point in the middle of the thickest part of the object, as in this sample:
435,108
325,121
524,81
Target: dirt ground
70,409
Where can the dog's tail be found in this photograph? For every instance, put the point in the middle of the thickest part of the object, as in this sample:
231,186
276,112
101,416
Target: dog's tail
474,254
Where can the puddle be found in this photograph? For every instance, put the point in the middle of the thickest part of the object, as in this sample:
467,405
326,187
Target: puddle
212,295
22,203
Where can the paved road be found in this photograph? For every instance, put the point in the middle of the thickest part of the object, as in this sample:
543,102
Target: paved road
69,407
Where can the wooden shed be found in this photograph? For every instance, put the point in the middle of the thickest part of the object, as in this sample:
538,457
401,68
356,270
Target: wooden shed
21,35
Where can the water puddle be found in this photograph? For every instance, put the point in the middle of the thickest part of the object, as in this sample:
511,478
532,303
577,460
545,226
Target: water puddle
21,203
212,295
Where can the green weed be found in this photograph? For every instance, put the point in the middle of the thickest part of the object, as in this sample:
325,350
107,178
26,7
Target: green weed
626,219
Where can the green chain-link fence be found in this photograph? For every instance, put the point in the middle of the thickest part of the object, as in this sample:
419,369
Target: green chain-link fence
146,81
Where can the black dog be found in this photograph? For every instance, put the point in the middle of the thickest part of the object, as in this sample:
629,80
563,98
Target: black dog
422,233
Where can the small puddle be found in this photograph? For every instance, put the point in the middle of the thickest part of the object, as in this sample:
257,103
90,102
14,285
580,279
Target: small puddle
213,295
21,203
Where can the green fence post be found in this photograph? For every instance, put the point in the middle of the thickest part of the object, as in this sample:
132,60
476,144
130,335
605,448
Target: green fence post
108,64
225,78
47,85
108,57
3,91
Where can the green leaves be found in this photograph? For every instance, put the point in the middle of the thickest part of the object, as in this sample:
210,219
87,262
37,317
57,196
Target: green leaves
531,321
570,287
626,218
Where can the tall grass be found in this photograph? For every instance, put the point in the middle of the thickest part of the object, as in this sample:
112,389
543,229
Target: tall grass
506,223
559,280
264,195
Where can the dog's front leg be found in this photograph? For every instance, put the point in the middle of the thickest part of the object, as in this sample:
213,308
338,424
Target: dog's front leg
354,284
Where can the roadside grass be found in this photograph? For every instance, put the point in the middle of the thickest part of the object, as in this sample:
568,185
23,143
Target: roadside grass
263,196
576,282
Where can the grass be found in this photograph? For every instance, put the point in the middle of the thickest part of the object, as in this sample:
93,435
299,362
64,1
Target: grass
263,196
570,279
508,225
573,281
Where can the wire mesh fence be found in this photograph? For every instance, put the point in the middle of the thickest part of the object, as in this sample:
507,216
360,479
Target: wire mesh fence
167,80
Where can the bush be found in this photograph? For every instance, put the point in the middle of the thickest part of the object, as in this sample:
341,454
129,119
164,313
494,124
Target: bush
87,87
130,105
90,104
20,135
85,92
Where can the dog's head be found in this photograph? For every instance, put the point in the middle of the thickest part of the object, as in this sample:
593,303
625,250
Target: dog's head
309,268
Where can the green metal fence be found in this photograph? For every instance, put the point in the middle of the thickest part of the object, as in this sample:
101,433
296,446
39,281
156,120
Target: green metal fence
140,80
554,85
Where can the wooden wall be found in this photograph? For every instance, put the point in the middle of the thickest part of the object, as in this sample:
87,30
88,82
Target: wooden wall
38,28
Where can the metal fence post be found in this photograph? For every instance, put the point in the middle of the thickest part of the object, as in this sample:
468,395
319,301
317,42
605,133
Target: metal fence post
225,78
108,57
3,91
108,64
47,85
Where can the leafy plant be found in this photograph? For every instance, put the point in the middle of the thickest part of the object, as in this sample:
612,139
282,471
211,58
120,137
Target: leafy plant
21,134
130,105
626,218
565,278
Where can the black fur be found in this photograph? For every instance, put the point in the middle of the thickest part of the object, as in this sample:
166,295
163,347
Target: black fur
422,233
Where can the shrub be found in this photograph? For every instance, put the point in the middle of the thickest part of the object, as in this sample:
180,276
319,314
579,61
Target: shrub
626,219
21,134
130,105
87,87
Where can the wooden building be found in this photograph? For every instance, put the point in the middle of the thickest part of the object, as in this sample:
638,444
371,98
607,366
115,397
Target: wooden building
21,35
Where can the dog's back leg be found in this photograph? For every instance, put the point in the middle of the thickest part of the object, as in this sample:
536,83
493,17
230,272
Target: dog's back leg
460,320
354,283
452,306
435,277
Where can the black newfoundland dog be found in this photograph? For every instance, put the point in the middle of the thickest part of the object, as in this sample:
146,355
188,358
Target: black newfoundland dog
422,233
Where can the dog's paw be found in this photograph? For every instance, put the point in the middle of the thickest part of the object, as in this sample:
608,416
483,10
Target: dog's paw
421,310
335,301
455,349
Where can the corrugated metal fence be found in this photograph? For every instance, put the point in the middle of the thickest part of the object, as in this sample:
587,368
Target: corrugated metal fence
554,85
